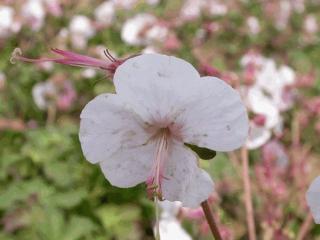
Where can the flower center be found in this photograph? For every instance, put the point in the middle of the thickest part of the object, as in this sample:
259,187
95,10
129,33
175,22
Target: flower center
154,180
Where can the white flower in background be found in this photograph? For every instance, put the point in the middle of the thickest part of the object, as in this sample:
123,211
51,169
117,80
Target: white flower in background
143,29
310,24
253,25
258,136
153,2
125,4
81,30
6,20
2,80
298,5
88,73
313,199
34,13
132,29
53,7
150,49
57,92
191,9
138,134
215,7
283,14
169,226
267,97
105,13
252,58
43,93
157,33
275,81
262,104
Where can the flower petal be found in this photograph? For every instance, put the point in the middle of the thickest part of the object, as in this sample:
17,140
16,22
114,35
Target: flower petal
106,126
313,199
155,84
260,103
216,118
183,180
129,167
172,229
258,136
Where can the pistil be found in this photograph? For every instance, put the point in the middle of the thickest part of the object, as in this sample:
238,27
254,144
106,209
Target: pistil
156,176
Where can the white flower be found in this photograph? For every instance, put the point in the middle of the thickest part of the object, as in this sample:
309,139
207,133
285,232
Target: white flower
138,134
313,199
126,4
157,33
34,13
142,30
6,20
81,30
2,80
260,103
153,2
252,58
310,24
42,94
274,82
216,8
258,136
105,12
169,226
283,14
89,73
253,25
191,9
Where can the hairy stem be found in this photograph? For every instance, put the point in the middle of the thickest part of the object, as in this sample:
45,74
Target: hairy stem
210,219
247,194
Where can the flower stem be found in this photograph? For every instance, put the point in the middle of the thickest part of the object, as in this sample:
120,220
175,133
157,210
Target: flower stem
210,219
305,227
157,237
247,194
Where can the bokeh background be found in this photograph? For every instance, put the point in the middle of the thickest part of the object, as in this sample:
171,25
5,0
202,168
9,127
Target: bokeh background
268,50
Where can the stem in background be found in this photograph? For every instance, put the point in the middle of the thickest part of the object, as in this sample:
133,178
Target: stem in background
51,115
247,194
305,227
210,219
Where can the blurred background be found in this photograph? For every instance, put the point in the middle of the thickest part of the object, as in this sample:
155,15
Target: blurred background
268,50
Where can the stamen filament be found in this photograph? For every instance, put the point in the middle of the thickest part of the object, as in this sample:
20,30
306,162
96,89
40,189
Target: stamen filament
155,179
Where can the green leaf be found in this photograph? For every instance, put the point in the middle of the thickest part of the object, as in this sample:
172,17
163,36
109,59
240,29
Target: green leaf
203,153
78,227
119,221
68,199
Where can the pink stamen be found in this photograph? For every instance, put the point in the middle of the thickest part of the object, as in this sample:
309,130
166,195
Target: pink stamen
155,179
73,59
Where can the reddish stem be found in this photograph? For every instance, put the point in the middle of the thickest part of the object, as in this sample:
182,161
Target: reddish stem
305,227
210,219
247,194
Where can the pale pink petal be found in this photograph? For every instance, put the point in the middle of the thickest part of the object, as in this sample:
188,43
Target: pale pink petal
129,167
183,180
313,199
216,118
157,85
258,136
106,126
171,229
